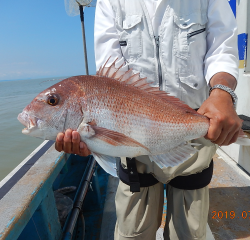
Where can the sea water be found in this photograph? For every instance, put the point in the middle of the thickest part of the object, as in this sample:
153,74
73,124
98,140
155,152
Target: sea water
14,96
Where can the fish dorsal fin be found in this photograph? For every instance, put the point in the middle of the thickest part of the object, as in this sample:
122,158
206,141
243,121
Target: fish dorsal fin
128,78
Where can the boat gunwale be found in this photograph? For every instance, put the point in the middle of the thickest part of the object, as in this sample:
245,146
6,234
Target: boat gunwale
21,201
17,173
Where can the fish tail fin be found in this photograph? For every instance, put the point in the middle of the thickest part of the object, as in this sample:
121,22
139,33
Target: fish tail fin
243,138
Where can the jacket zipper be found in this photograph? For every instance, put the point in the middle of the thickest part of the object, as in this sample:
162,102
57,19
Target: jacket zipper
195,32
157,42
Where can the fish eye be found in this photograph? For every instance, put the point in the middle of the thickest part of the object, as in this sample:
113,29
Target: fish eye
52,99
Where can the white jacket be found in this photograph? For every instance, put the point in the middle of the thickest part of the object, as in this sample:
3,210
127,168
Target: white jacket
197,39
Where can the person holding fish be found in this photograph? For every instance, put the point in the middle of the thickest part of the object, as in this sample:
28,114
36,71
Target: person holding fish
189,50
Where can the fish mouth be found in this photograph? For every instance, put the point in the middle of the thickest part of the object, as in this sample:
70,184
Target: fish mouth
30,122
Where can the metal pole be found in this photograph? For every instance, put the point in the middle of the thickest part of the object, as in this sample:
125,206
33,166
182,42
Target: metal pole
84,39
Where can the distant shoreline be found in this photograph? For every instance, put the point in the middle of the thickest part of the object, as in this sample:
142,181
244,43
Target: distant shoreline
23,79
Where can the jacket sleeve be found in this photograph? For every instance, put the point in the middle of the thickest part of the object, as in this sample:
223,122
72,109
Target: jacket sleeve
106,39
222,50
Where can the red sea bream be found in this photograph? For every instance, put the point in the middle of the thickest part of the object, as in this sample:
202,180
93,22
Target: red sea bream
117,115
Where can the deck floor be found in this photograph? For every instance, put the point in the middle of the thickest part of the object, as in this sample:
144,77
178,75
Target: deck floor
229,214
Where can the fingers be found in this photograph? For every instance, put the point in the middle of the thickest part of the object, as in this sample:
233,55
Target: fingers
70,142
67,147
84,151
224,131
231,134
226,138
214,131
234,138
59,142
75,143
78,147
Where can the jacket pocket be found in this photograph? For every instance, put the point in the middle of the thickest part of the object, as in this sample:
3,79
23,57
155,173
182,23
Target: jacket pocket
189,35
131,37
190,48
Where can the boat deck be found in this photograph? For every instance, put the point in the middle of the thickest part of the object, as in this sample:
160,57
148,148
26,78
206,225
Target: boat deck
229,214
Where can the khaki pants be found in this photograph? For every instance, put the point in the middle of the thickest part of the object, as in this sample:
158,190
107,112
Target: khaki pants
139,214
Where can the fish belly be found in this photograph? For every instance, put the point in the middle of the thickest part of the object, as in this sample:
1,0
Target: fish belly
101,147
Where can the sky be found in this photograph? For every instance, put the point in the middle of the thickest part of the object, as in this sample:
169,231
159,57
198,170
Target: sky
38,40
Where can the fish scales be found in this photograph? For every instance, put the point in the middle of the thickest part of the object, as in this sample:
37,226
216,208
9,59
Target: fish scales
116,114
142,116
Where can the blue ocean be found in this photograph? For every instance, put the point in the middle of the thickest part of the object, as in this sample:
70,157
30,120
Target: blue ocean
14,96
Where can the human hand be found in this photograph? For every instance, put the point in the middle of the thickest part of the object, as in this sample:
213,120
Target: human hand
70,142
225,124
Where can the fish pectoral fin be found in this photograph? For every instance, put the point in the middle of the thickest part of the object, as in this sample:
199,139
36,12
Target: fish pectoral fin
86,130
111,137
175,156
108,163
115,138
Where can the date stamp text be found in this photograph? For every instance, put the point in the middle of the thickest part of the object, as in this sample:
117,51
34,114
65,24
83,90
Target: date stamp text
230,214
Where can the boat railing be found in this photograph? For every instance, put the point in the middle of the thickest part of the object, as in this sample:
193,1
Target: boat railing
28,187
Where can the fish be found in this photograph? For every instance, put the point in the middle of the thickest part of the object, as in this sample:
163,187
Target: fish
117,114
